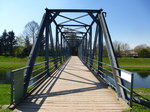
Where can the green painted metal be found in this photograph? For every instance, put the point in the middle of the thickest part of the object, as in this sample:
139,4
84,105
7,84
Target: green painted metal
18,85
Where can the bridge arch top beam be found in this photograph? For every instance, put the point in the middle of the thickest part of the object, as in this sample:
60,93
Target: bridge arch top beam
74,10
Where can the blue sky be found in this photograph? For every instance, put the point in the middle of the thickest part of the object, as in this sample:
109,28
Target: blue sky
128,20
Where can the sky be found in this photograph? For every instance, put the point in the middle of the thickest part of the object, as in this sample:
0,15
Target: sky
128,20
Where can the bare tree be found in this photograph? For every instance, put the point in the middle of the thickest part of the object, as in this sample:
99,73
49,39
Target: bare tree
121,48
31,29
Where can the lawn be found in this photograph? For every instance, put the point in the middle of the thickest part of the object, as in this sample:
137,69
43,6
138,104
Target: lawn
4,94
8,63
132,64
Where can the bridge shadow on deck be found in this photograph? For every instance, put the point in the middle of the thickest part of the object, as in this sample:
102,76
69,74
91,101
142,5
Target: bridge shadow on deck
34,102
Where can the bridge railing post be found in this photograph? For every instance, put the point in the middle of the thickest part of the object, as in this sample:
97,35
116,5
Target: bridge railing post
47,49
56,47
61,56
100,50
90,48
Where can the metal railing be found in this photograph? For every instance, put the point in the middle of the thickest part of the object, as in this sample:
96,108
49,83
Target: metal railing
39,74
107,76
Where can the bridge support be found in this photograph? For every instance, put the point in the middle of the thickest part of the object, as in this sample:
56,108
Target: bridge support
112,57
62,43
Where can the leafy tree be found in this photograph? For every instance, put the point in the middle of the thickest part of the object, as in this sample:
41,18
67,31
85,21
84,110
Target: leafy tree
11,42
27,47
3,43
144,53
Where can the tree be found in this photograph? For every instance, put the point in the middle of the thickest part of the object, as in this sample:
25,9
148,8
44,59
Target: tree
27,47
144,53
20,41
121,48
140,47
27,41
117,48
3,43
11,42
31,29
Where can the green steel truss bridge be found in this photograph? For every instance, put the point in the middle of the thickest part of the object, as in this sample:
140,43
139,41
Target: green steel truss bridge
73,76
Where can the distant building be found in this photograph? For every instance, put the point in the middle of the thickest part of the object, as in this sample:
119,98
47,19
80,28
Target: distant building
133,54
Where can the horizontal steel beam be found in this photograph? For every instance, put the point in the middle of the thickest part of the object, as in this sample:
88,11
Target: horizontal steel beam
75,32
73,25
74,10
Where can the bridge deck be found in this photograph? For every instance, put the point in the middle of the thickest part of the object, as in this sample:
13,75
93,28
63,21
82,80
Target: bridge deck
73,88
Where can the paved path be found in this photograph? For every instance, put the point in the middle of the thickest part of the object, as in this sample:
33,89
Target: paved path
73,88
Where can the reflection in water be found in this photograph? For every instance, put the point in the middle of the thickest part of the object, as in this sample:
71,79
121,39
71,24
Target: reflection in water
142,79
143,74
4,77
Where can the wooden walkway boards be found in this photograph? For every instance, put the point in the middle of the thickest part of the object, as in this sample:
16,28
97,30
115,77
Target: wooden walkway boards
73,88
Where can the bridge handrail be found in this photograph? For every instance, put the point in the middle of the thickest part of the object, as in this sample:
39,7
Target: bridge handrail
38,77
110,65
106,80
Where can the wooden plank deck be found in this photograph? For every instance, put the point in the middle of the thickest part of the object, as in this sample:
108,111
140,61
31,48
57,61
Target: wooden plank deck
73,88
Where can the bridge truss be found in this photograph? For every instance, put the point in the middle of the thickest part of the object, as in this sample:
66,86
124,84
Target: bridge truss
82,34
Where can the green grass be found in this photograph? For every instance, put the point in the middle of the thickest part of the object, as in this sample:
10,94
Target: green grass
132,64
4,94
5,110
8,63
145,92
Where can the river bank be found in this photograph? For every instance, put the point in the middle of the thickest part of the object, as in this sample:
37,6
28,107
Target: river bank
130,64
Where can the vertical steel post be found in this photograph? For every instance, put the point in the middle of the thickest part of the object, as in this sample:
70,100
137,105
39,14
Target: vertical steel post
47,49
52,43
95,42
56,47
82,54
61,49
131,90
86,50
90,47
100,50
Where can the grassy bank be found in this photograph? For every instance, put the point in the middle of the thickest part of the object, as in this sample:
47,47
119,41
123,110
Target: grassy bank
4,94
145,92
133,64
10,63
5,110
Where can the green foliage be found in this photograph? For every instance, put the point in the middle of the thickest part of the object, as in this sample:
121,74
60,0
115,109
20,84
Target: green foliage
18,51
144,53
7,41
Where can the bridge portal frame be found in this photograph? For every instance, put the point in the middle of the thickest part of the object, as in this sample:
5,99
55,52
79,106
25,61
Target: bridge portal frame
87,50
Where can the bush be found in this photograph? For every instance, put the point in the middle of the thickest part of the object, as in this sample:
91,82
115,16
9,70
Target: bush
144,53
